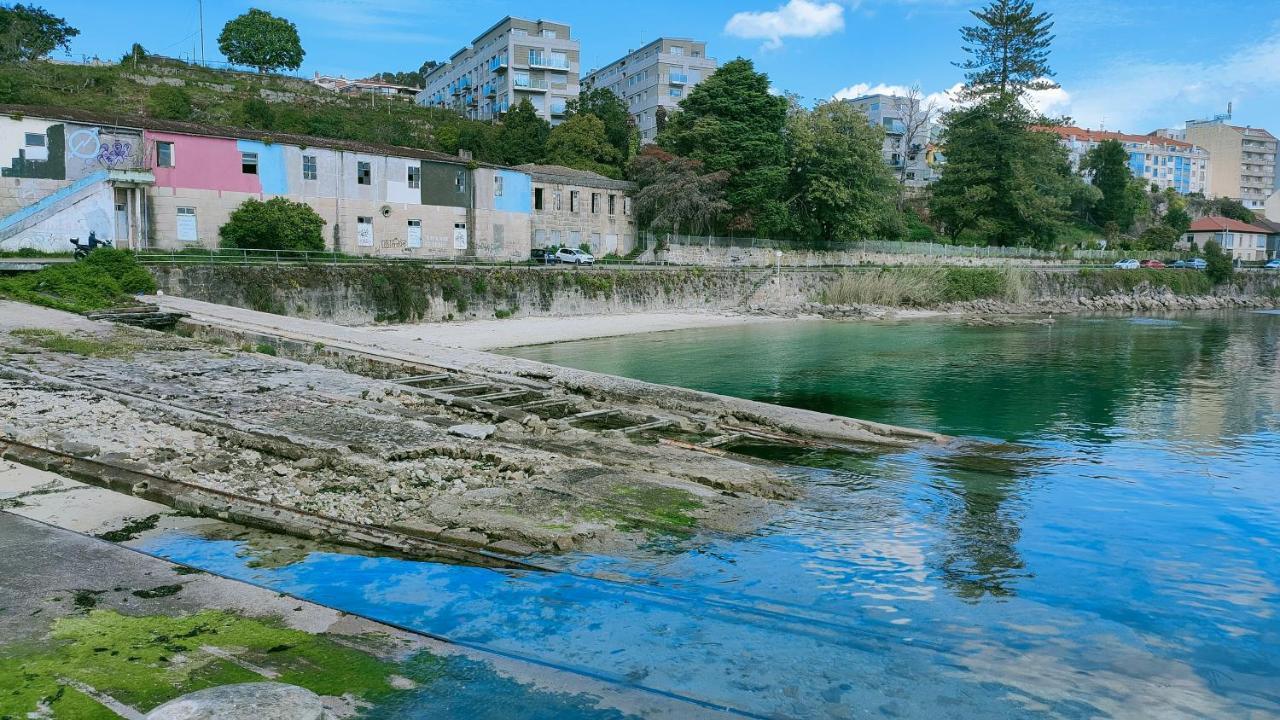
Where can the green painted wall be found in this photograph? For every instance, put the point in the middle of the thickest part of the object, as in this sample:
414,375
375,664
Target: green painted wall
440,184
55,168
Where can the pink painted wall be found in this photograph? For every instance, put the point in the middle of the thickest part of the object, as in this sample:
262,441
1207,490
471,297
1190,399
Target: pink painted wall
202,163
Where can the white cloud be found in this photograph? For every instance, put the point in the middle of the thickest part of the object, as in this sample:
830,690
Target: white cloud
798,18
943,99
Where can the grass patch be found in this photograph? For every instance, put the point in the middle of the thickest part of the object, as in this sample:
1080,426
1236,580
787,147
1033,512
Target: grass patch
107,278
116,346
1179,282
926,286
133,659
266,349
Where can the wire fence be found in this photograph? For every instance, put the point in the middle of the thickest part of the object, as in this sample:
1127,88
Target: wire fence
238,256
895,247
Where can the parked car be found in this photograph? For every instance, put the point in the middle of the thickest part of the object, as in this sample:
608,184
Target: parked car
1273,265
1197,264
574,256
543,255
1129,264
1153,264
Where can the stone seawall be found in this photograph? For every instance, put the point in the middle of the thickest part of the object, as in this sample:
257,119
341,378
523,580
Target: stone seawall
712,256
355,295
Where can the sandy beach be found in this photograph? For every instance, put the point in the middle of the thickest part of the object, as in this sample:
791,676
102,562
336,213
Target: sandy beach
514,332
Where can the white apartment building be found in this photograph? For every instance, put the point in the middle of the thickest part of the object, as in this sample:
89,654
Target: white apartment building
1157,158
660,74
919,154
1244,160
512,61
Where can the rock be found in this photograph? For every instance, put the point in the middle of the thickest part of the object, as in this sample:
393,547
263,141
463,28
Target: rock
473,431
309,464
79,449
511,547
212,464
248,701
485,493
464,536
418,528
280,469
564,543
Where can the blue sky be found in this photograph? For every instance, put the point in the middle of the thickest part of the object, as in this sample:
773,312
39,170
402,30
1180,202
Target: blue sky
1127,65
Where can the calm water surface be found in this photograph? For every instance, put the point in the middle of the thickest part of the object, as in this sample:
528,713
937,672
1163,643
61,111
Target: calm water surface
1112,551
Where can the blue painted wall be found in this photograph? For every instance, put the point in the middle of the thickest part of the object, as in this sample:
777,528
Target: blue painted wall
270,165
517,192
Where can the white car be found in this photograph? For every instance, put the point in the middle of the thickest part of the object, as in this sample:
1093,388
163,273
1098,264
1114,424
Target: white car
1129,264
575,256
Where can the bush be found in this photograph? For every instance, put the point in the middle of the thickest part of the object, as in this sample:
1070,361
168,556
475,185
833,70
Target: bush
961,284
1218,264
255,113
107,278
277,224
169,103
1157,237
918,230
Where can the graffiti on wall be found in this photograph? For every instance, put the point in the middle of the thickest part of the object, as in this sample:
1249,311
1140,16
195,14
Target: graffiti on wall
90,147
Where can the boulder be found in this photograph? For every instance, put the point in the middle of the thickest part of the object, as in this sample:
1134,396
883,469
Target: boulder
473,431
247,701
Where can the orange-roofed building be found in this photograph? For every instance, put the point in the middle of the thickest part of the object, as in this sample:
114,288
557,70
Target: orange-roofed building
1241,240
1161,161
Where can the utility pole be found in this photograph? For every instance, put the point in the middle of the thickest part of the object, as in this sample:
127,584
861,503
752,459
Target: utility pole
200,11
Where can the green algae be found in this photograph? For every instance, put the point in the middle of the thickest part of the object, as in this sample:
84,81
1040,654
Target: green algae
131,529
158,592
149,660
653,510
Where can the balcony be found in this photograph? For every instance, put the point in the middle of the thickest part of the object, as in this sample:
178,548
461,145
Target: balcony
498,64
678,79
530,84
490,90
557,109
538,60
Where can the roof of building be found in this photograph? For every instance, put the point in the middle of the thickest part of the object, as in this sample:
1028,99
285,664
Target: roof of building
1271,226
91,117
1069,132
560,173
1217,223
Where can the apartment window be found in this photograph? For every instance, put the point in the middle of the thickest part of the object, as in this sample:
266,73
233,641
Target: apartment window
573,201
537,198
549,34
309,170
519,32
187,229
497,186
612,200
677,50
595,203
364,173
460,181
164,154
34,140
249,163
414,176
677,92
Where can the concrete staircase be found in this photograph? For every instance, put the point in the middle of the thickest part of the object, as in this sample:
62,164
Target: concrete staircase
46,207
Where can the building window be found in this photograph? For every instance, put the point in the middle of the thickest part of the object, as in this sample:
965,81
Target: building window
549,34
187,229
537,198
309,171
573,201
364,231
415,176
555,200
413,234
34,140
497,186
677,50
612,201
460,181
164,154
676,92
595,203
249,163
626,204
575,238
364,173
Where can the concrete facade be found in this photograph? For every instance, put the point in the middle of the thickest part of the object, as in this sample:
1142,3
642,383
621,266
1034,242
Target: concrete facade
1165,162
660,74
572,208
920,155
1244,160
513,61
1242,241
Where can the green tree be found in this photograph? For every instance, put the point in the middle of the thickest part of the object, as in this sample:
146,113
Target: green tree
30,33
169,103
523,138
607,106
1008,50
676,194
581,142
277,224
840,185
1217,263
731,123
1108,162
1177,218
261,40
1004,182
1157,238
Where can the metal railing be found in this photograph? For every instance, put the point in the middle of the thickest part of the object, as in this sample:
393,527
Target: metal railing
220,256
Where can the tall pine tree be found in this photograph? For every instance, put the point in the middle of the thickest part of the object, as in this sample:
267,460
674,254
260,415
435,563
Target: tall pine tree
1108,161
1008,50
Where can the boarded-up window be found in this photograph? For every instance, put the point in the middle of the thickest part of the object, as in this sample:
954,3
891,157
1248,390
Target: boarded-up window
539,238
575,238
499,237
497,186
413,234
459,236
364,231
188,231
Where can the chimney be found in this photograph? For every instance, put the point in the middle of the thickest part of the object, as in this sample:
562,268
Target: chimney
464,154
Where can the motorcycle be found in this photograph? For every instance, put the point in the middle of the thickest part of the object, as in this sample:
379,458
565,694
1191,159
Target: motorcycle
82,251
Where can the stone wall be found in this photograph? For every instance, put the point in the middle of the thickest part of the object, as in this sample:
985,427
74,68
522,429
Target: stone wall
766,257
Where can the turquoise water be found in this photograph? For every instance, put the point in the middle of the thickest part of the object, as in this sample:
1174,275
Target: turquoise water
1112,554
